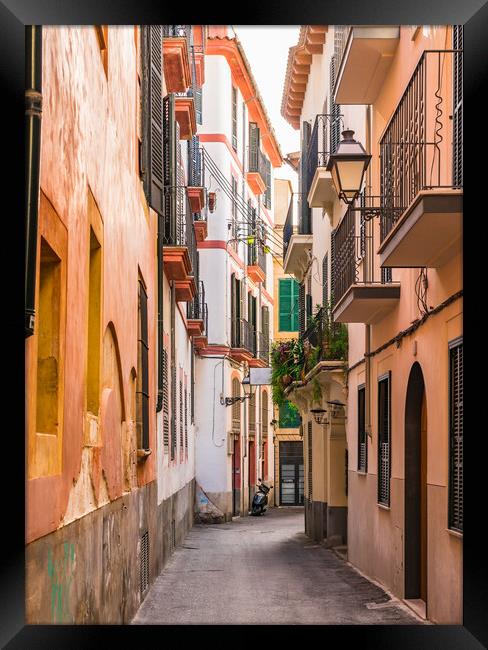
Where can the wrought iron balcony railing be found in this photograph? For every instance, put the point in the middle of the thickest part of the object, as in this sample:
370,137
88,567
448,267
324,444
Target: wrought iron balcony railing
257,162
319,145
243,335
288,228
196,308
195,168
354,260
178,223
263,347
421,148
326,335
256,255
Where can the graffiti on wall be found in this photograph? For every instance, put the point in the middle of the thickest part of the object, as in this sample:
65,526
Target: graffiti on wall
60,571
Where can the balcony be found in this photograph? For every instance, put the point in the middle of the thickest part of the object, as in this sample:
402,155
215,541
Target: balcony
421,168
320,188
256,175
179,245
256,262
201,340
195,309
362,292
185,103
176,58
243,340
196,188
296,246
367,56
261,359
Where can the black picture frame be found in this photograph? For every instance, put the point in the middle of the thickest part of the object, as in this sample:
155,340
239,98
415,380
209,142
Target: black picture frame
14,15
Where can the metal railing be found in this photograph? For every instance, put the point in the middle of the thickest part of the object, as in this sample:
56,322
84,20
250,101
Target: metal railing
319,145
323,333
288,229
195,309
354,259
419,144
195,167
243,335
257,162
256,255
263,347
178,224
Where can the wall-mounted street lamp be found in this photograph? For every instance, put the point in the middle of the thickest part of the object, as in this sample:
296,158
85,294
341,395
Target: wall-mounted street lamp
319,415
347,167
336,407
248,393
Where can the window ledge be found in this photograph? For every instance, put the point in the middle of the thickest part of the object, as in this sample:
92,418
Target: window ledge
383,507
142,454
361,472
455,533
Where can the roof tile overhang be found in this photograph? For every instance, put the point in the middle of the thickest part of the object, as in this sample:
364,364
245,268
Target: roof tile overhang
310,41
232,49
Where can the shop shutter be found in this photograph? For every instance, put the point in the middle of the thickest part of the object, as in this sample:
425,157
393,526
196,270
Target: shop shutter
456,437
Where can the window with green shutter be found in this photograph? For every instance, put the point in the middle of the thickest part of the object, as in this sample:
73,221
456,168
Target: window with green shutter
288,301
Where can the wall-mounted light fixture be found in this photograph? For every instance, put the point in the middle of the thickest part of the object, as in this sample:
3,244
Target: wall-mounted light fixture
248,393
319,415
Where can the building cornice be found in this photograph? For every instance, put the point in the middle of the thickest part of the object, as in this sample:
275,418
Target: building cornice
311,41
232,49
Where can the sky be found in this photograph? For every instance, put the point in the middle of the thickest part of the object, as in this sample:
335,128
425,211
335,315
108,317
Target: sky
266,48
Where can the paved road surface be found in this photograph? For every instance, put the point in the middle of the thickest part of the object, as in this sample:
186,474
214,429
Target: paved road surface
263,570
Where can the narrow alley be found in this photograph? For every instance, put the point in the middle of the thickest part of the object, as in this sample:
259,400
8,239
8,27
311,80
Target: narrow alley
264,570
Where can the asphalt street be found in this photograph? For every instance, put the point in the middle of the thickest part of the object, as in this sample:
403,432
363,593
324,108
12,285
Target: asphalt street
264,570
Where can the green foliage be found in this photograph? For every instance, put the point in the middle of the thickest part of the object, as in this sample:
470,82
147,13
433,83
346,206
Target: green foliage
316,391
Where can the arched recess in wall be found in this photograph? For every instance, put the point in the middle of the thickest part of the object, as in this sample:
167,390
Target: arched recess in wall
129,441
415,536
236,408
112,413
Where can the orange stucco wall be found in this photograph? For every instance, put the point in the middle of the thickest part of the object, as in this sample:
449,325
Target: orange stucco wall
89,138
376,535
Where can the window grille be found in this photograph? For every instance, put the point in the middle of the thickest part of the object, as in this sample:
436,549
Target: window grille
144,562
456,436
142,391
362,440
384,439
458,42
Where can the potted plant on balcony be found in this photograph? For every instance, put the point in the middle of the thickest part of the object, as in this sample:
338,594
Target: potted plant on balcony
286,359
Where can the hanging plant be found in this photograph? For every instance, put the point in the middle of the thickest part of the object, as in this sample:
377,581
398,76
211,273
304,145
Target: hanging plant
316,391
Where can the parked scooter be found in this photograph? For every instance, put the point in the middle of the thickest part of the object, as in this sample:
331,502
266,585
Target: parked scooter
260,499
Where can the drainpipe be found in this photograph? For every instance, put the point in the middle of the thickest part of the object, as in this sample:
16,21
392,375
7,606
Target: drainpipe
367,342
33,113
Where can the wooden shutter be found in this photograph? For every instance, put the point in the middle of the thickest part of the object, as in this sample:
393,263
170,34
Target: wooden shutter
457,174
362,446
234,118
198,104
181,416
265,322
236,407
384,439
253,147
152,115
267,195
325,279
301,308
233,309
165,402
143,369
310,460
170,160
304,212
456,436
252,414
285,304
332,269
173,412
192,383
265,413
186,419
335,109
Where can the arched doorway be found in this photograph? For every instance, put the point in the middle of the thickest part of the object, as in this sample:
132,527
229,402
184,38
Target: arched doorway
416,487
